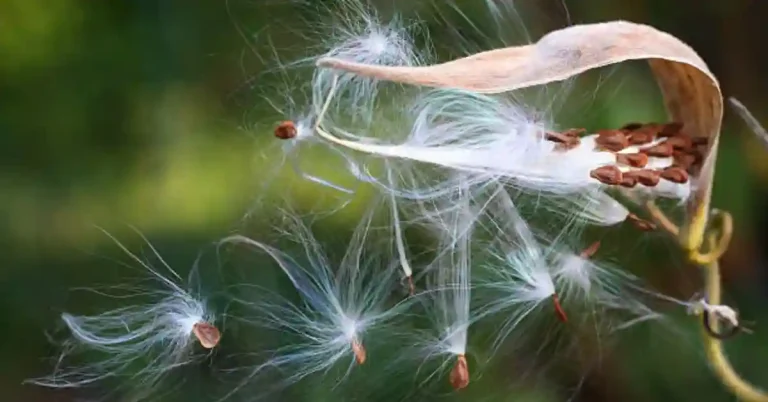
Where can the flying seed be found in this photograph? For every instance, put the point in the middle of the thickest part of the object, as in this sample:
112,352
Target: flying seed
559,309
662,150
460,374
640,223
359,351
646,177
638,160
675,175
611,140
610,175
208,335
590,251
286,130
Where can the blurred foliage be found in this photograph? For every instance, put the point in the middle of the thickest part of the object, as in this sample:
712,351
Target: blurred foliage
148,113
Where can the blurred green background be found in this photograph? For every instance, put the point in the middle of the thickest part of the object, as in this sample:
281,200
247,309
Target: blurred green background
150,113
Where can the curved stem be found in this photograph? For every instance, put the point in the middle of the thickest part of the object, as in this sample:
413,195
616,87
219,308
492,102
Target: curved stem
714,347
717,249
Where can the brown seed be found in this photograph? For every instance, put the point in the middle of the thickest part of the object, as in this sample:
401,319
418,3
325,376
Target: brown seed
637,160
459,376
646,177
675,174
661,150
670,129
642,136
286,130
566,140
556,137
680,142
359,351
591,250
631,127
567,146
683,160
628,181
641,224
574,132
208,335
559,311
411,286
612,140
610,175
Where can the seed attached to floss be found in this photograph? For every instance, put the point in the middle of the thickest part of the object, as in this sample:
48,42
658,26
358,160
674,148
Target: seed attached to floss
286,130
459,376
590,251
642,224
559,311
637,160
359,351
610,175
566,140
208,335
675,175
612,140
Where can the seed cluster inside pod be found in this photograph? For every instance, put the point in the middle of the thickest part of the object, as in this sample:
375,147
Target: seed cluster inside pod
645,153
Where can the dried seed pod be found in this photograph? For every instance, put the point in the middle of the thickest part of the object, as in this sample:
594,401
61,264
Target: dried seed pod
359,351
208,335
559,311
612,140
641,224
610,175
646,177
460,374
670,129
661,150
675,174
637,160
286,130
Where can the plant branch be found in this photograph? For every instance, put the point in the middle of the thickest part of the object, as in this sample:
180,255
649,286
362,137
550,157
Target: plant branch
714,347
